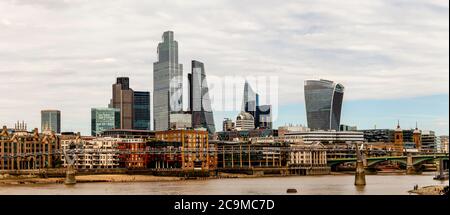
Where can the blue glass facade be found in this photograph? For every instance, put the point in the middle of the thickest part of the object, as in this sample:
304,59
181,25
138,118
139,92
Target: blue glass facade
141,110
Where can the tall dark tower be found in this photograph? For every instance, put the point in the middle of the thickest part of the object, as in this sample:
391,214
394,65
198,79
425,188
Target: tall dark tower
199,101
123,99
323,100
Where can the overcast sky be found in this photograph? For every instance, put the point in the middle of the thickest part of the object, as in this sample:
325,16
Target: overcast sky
65,54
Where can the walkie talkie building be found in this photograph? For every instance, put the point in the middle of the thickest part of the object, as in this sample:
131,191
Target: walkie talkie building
323,100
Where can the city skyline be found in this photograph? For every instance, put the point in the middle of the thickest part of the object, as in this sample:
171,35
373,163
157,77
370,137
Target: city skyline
374,71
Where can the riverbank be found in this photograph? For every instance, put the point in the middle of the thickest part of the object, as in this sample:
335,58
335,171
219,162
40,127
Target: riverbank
429,190
89,179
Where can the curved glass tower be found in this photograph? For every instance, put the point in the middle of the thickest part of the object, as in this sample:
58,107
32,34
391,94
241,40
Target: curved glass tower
323,100
200,104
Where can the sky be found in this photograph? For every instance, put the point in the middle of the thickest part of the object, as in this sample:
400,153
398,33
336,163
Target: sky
392,56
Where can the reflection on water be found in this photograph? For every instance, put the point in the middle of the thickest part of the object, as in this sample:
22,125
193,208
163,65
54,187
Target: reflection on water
305,185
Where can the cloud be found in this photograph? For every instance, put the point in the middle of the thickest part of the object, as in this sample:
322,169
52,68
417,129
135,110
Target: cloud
55,53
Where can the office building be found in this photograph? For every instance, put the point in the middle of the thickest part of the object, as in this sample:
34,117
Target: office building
328,137
347,128
429,141
103,119
122,99
323,100
199,102
167,82
51,120
282,130
263,116
444,143
141,110
181,120
245,121
228,125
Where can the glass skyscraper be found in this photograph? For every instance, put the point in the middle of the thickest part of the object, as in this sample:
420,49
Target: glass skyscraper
323,100
199,103
167,82
250,102
51,120
104,119
141,109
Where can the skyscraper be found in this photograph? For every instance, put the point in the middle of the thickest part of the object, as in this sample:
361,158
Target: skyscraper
323,101
251,100
141,109
122,99
200,104
167,82
104,119
51,120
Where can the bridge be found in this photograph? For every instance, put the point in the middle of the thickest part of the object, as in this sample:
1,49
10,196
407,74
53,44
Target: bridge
410,161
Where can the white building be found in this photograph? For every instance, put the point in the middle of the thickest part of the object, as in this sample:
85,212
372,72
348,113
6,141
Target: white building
92,153
282,130
330,137
245,121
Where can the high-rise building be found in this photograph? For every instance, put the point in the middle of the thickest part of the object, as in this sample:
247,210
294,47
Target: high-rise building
122,99
263,117
199,102
167,82
51,120
323,100
103,119
428,141
141,110
250,101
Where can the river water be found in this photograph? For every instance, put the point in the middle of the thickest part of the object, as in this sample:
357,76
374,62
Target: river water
305,185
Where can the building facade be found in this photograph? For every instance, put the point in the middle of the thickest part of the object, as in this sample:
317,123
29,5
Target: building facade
328,137
323,100
167,82
200,103
429,141
444,143
93,153
228,125
141,110
23,150
282,130
103,119
51,121
122,99
195,154
263,116
245,121
308,159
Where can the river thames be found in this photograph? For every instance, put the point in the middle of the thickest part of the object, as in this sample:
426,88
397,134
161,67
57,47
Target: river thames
305,185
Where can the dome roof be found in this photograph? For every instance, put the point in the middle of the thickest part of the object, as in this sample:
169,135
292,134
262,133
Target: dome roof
244,116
